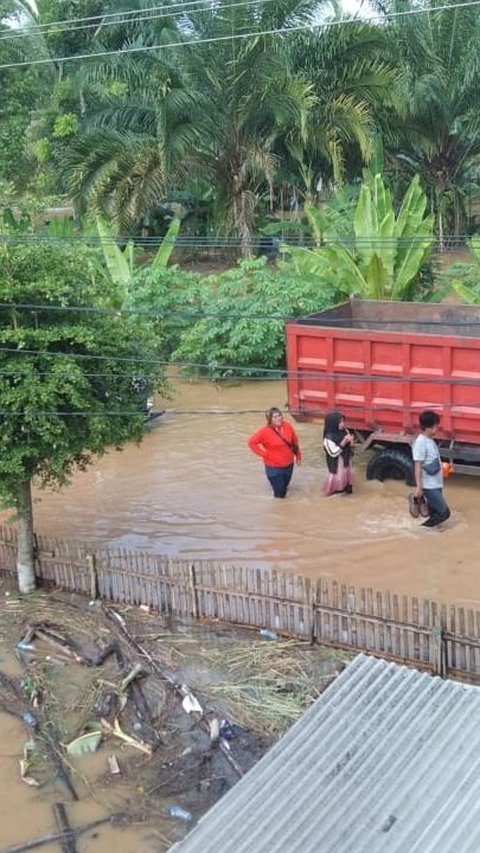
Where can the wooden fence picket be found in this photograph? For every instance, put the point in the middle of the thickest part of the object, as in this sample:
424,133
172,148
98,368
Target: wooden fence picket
420,632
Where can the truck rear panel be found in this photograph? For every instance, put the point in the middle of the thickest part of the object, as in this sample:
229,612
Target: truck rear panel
381,363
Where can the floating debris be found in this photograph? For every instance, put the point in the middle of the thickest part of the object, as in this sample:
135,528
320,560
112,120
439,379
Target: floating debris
84,744
179,813
190,703
26,763
267,634
116,731
113,765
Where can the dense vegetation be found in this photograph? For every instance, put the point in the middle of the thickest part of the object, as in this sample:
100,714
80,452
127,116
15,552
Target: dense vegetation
177,104
352,146
73,380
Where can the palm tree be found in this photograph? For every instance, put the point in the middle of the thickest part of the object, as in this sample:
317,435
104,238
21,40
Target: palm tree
439,134
211,108
351,82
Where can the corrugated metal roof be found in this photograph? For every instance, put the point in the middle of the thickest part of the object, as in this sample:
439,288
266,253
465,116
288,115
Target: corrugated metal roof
387,760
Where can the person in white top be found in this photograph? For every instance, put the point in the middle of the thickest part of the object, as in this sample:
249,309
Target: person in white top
428,470
337,443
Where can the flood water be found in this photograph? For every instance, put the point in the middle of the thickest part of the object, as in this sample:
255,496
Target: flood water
25,811
194,489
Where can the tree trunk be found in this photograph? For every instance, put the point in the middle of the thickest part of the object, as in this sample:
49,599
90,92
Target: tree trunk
25,553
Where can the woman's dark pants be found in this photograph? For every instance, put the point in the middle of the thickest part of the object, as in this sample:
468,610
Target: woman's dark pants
279,479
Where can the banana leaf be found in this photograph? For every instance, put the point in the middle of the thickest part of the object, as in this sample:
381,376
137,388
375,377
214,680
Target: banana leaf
162,257
119,264
84,744
467,293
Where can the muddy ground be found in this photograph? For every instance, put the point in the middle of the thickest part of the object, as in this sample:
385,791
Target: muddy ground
150,753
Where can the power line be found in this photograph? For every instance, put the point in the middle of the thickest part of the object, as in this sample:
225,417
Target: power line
238,36
159,315
353,324
258,241
280,373
124,13
184,9
149,48
272,372
313,412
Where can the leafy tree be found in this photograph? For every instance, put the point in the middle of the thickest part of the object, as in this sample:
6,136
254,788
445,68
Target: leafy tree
72,378
173,297
387,251
232,320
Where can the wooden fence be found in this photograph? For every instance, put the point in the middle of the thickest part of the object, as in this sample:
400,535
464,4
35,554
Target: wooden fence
440,638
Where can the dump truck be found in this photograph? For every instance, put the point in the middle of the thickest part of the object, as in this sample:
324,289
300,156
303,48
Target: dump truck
381,364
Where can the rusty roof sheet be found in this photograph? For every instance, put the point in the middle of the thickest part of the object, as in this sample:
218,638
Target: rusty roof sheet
387,760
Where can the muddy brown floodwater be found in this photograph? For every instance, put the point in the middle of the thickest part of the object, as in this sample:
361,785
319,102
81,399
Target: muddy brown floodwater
194,489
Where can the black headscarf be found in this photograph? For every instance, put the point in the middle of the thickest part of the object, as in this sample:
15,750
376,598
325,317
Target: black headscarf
332,431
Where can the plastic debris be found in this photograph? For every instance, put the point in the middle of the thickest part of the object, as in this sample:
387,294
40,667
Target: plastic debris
25,647
30,719
190,703
113,765
267,634
179,813
226,730
214,729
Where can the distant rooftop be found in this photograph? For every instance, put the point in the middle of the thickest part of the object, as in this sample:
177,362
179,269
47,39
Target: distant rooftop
387,760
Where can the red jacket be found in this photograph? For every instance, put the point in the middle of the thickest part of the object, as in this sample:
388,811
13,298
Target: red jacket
268,444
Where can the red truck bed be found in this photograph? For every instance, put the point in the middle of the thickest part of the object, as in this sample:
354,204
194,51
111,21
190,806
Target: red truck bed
381,363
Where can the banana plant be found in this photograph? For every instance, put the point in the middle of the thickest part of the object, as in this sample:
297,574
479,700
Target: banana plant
383,256
120,263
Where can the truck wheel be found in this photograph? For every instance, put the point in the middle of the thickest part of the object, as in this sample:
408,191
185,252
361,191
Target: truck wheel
392,463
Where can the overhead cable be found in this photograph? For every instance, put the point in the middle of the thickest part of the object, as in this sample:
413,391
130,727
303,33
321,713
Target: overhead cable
127,12
304,412
259,241
275,373
183,9
314,318
238,36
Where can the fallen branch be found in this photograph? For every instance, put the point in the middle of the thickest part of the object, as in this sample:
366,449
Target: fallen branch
67,842
54,753
59,836
61,647
166,677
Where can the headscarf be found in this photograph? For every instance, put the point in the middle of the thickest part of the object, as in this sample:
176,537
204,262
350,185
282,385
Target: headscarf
332,431
331,427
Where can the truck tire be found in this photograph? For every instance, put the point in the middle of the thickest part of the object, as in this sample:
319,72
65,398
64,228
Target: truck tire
392,463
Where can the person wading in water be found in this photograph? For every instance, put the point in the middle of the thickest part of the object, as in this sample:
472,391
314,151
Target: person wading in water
277,444
337,443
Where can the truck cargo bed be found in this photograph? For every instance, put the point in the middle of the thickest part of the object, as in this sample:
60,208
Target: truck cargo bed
381,363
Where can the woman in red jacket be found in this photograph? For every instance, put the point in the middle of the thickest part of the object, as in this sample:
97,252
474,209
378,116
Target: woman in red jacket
278,446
